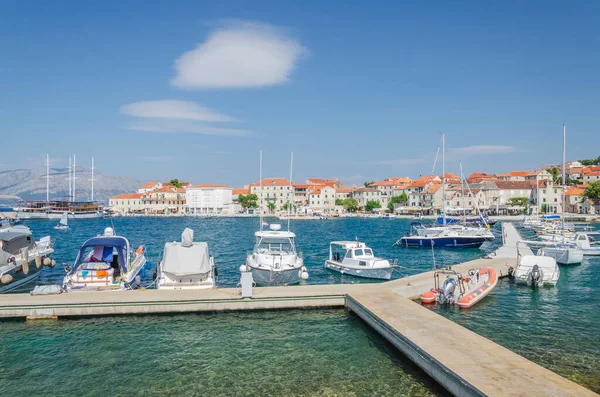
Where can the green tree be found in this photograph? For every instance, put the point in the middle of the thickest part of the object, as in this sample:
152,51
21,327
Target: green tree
271,206
521,201
592,192
248,200
350,204
291,206
367,184
403,198
372,204
543,208
590,161
555,173
573,182
339,201
176,183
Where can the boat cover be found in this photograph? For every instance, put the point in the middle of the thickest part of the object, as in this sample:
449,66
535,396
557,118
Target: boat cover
180,260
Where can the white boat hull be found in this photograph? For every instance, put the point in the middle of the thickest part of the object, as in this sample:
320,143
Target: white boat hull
42,215
377,273
563,256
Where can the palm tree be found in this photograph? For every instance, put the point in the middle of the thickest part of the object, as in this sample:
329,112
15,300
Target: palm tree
271,206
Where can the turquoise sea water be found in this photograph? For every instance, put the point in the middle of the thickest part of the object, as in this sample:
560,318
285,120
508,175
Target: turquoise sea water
555,327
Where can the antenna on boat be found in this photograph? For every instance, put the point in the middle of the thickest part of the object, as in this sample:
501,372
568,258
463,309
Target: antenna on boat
69,197
47,178
563,178
92,180
290,190
443,180
261,189
74,168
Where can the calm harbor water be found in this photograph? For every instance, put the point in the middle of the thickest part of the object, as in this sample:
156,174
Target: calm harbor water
555,327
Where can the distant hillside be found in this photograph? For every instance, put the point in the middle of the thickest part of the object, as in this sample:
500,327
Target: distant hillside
30,184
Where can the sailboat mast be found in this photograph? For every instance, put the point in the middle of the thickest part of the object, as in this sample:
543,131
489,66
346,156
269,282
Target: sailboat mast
261,190
74,170
92,179
47,178
290,191
462,192
70,195
563,175
444,179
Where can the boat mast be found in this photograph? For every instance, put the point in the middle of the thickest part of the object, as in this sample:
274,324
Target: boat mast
462,192
74,168
290,191
261,190
563,176
92,179
70,195
47,178
443,179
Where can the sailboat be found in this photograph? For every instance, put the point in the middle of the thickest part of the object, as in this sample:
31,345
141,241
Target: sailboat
565,253
62,225
274,260
444,236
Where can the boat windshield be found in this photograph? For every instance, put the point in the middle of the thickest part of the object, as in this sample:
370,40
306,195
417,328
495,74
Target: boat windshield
363,252
274,244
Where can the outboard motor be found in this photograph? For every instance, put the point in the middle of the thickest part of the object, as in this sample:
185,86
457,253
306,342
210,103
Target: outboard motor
534,277
447,292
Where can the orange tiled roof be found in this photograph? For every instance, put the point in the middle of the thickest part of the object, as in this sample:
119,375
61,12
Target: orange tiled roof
343,190
449,175
206,186
392,182
243,190
432,188
273,182
301,185
322,181
516,173
574,191
148,185
128,196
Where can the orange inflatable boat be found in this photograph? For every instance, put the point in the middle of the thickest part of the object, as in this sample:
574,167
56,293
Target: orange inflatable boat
479,285
470,289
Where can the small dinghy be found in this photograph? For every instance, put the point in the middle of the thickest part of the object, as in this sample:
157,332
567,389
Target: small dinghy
63,224
471,289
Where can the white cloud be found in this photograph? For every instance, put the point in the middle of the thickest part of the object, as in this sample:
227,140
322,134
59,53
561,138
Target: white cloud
243,54
484,149
173,109
184,127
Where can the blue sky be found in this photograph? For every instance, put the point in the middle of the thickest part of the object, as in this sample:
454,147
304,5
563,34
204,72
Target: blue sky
359,91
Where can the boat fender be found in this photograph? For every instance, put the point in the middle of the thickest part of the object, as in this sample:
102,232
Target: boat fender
52,263
216,272
244,268
140,250
38,261
6,279
46,262
304,275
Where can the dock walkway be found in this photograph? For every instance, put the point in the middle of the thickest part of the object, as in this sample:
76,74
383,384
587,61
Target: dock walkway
462,361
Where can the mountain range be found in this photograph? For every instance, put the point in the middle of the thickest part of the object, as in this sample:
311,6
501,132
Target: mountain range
30,184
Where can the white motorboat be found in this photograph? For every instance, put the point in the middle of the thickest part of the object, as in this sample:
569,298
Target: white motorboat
186,265
274,260
63,224
536,271
583,242
565,253
105,263
18,254
356,259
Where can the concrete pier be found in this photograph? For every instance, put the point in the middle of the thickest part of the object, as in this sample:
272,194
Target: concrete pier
465,363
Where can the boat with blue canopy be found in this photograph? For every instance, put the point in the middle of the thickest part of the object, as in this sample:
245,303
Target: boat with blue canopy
105,263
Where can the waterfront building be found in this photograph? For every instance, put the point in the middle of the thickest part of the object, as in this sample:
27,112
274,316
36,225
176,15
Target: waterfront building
209,200
322,199
301,194
165,200
342,193
127,203
273,190
388,185
550,196
574,199
321,181
364,194
514,176
590,207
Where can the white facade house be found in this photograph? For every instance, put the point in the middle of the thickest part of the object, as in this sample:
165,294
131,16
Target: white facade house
273,190
126,203
209,200
150,186
365,194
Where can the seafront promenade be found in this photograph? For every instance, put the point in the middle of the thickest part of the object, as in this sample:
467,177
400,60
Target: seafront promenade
462,361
